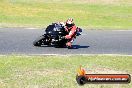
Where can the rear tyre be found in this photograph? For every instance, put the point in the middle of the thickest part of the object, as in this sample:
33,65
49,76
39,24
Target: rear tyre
61,44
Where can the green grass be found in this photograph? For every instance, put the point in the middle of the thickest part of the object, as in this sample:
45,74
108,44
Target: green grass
58,71
38,13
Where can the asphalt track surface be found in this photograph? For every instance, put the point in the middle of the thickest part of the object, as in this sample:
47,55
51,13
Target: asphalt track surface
19,41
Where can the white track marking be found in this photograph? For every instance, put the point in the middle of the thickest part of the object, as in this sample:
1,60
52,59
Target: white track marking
80,54
121,30
31,28
66,55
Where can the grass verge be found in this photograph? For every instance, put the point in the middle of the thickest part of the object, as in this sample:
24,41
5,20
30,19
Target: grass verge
38,13
58,71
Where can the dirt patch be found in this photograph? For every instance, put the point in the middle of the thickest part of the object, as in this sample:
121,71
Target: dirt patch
2,84
104,1
99,1
90,1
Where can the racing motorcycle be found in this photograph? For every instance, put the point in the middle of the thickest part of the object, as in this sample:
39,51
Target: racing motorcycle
54,35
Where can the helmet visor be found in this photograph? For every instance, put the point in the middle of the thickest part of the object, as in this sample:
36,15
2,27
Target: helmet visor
69,25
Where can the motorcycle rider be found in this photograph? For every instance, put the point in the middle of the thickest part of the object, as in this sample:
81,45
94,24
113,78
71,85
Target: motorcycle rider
70,27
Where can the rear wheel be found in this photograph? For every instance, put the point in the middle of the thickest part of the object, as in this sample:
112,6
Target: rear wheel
61,44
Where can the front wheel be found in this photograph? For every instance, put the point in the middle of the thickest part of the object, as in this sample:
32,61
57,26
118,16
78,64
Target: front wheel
39,41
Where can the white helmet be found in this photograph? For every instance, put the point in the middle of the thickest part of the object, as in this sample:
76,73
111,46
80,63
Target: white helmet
70,21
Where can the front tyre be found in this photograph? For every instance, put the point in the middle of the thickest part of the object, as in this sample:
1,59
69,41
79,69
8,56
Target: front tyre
39,41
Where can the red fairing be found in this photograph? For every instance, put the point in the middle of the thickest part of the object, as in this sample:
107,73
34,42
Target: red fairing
72,31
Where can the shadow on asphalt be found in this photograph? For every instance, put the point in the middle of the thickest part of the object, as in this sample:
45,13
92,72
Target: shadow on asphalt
73,46
79,46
